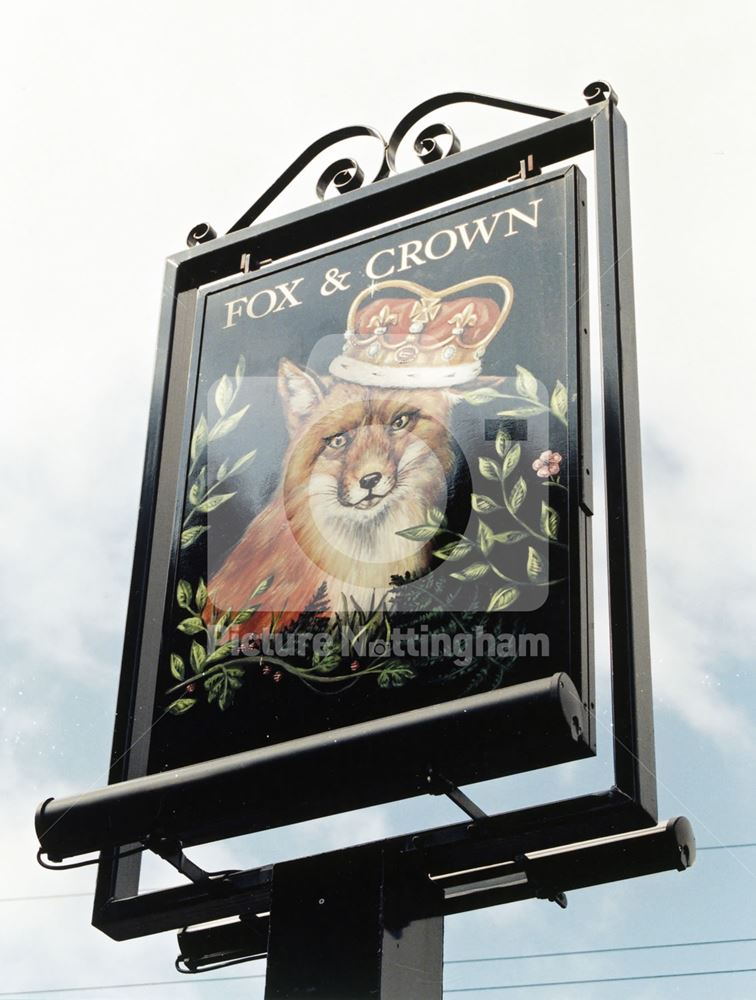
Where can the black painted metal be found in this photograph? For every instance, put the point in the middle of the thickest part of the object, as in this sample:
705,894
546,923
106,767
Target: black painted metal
358,935
346,174
412,915
496,841
631,656
513,729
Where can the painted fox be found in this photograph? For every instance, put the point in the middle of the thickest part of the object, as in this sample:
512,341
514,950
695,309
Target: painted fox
370,451
362,464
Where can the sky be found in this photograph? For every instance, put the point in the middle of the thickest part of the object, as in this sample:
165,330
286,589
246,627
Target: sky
124,128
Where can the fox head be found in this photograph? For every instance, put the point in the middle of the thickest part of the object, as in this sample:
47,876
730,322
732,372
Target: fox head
362,464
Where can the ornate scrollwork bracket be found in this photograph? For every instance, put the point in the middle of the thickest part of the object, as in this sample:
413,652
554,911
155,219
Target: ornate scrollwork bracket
345,174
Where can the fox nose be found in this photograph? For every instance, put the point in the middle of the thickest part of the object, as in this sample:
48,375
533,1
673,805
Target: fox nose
370,480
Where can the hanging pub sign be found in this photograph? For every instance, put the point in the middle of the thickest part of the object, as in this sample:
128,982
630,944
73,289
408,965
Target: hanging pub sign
380,503
362,567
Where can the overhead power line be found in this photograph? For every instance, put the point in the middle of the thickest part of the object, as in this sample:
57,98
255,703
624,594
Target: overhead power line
608,979
599,951
458,989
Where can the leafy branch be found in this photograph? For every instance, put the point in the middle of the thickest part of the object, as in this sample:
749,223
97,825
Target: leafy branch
201,497
526,386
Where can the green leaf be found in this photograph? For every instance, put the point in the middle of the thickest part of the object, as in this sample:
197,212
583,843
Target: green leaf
420,532
181,705
510,462
327,662
436,516
219,654
522,411
184,595
241,367
261,587
478,396
199,438
243,616
228,424
222,624
222,472
395,674
197,657
510,537
198,487
482,504
177,667
472,572
549,521
485,537
518,494
224,395
559,402
201,595
526,382
488,468
535,564
213,502
502,442
503,598
241,462
190,536
454,550
191,626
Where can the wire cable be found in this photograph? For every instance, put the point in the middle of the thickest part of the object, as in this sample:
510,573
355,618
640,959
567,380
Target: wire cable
608,979
458,989
599,951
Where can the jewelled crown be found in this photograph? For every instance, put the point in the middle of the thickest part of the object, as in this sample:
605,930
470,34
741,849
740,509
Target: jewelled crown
423,339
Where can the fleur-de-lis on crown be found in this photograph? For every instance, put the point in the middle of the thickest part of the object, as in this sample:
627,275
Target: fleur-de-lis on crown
465,318
426,310
382,319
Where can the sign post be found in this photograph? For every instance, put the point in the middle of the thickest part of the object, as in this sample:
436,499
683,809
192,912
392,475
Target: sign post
363,564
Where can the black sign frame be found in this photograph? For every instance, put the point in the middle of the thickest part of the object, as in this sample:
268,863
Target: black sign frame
120,910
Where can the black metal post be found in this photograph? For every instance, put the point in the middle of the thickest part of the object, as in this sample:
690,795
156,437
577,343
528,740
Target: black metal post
341,929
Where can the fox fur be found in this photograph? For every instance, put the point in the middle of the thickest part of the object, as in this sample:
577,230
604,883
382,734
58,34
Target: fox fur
362,464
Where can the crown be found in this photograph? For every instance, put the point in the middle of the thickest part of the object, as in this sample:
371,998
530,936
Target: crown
421,338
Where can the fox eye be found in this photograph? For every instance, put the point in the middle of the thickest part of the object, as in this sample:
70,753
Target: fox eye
400,422
337,441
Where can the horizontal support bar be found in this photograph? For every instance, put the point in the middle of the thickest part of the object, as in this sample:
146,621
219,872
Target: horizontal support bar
383,201
545,874
491,841
668,846
516,729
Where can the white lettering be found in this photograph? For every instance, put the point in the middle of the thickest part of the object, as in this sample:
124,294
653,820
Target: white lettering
516,213
233,311
287,290
451,236
370,269
410,252
480,230
271,303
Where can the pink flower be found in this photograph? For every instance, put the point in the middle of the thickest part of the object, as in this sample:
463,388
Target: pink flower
189,688
547,464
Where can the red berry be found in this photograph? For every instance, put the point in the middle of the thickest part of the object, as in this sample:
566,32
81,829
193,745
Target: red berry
277,676
354,665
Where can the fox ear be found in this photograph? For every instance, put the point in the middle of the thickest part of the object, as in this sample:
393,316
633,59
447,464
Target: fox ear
300,392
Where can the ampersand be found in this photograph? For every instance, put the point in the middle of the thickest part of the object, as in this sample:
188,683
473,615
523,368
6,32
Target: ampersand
335,281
